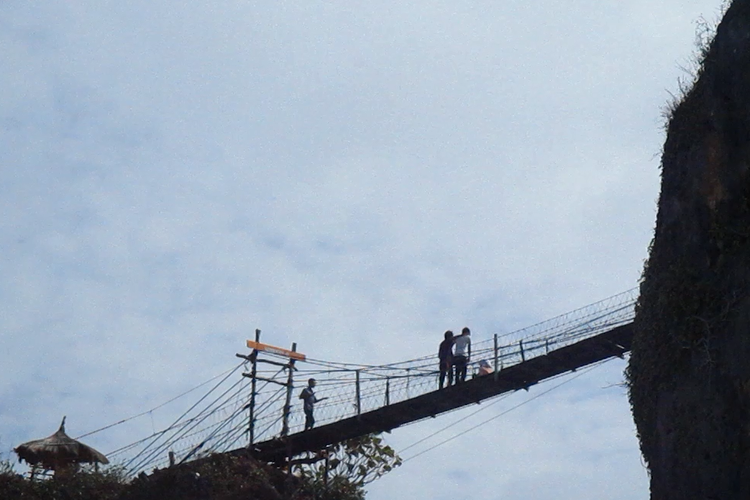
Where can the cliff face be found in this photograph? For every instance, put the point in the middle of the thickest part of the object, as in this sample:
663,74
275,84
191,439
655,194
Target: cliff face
689,371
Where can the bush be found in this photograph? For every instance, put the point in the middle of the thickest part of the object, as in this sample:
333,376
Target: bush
217,477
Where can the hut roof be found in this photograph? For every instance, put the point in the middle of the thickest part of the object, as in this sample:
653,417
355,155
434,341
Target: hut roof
58,450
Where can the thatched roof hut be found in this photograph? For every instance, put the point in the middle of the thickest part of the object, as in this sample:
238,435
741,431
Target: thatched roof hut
58,451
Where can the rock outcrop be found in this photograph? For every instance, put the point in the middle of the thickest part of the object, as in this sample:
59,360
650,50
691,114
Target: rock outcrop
689,372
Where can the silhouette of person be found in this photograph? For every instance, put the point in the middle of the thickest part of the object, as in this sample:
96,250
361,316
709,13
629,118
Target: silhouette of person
445,355
309,400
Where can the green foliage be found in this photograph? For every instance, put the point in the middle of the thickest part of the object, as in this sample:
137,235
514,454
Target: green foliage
705,32
351,465
84,484
219,477
363,460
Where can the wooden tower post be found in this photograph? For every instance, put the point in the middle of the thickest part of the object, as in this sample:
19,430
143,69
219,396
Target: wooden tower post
253,374
289,389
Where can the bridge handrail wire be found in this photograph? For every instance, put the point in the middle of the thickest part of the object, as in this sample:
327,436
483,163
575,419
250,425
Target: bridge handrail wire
176,435
352,388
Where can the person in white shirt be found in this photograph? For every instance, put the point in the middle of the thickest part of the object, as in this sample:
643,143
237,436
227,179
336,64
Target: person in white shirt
462,354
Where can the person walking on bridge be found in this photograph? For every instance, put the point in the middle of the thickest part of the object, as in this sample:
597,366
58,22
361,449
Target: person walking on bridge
462,356
445,355
309,398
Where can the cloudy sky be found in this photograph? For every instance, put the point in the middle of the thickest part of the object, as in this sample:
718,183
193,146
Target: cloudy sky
355,177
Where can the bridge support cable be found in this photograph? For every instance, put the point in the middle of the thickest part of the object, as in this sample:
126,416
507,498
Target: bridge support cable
150,412
158,435
187,426
368,398
231,437
609,344
495,417
212,434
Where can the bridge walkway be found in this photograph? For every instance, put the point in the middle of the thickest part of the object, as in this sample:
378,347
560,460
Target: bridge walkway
612,343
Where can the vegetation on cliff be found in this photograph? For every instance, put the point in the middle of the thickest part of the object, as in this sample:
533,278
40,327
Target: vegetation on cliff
688,374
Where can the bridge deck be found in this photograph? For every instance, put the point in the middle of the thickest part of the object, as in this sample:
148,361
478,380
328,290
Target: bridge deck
612,343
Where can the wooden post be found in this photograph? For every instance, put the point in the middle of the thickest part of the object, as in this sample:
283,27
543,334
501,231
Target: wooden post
253,373
387,391
289,389
289,457
496,359
523,357
359,403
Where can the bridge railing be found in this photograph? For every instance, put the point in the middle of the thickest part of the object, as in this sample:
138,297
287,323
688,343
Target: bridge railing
353,389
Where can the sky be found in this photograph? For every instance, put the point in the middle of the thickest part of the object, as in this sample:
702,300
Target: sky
355,177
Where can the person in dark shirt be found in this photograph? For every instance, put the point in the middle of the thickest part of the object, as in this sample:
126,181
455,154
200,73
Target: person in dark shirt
445,354
309,399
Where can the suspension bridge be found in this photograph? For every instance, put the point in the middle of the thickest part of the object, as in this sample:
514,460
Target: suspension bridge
259,412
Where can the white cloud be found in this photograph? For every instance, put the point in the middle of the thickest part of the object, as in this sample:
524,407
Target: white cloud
354,179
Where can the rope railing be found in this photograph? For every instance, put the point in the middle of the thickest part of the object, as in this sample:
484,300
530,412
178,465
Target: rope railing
222,424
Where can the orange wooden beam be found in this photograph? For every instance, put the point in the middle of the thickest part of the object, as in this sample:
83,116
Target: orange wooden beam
275,350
